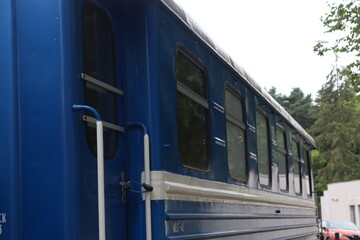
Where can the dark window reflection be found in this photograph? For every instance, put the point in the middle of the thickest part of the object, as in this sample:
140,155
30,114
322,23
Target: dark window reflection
191,75
307,172
235,136
192,113
262,139
296,167
282,161
99,63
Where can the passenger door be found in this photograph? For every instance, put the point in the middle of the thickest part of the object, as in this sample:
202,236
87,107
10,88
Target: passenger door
102,90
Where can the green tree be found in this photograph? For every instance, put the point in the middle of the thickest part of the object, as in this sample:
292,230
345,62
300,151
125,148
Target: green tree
299,106
336,132
277,96
344,20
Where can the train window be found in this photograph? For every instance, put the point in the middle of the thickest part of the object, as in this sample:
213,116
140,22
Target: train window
296,166
192,112
235,132
262,138
307,172
99,63
282,160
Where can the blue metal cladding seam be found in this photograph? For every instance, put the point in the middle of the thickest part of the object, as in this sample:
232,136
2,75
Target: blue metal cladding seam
69,145
201,220
137,110
197,216
9,158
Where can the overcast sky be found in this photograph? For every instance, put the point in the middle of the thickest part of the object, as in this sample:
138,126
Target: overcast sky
272,40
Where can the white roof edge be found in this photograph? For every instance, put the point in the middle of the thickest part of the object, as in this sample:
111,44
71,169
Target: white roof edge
191,24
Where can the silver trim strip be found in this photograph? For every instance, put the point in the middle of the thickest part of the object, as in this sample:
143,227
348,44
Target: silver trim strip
187,92
253,156
220,142
251,127
170,186
105,124
218,107
101,84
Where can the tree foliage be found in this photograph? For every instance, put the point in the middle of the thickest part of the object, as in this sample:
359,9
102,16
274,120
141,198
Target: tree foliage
298,105
336,131
344,20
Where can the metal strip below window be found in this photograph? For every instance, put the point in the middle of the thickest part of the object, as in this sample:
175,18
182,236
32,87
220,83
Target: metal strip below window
251,127
235,122
101,84
193,96
105,124
218,107
253,156
220,142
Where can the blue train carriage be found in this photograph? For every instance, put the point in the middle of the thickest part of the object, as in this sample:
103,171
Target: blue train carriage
193,147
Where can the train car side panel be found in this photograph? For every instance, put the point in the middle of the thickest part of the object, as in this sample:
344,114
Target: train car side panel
9,141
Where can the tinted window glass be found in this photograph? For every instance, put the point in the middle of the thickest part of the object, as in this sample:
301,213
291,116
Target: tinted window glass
191,75
280,139
235,132
233,106
296,166
282,161
295,150
192,113
307,172
99,63
262,149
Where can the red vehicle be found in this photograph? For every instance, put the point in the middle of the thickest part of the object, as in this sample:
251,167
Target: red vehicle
344,229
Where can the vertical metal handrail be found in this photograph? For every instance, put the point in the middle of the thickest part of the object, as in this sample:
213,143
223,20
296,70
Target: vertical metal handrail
147,178
100,168
147,181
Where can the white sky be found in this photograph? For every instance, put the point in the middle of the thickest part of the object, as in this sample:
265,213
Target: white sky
272,40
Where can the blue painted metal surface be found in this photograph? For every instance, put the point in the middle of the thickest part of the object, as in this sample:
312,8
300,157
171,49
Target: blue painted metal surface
47,171
44,178
9,135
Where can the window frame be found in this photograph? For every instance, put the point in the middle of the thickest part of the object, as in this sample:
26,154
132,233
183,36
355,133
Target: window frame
268,141
231,119
352,213
283,151
191,95
103,88
308,168
299,162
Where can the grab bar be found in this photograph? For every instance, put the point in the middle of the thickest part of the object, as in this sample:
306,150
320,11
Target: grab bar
147,178
100,167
